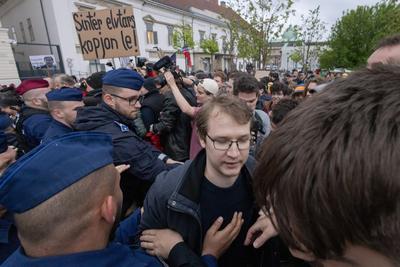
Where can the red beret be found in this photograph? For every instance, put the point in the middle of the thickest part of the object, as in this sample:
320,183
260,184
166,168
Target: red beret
28,85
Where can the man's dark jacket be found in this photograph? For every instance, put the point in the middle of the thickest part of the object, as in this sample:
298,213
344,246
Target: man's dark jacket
174,126
144,159
152,106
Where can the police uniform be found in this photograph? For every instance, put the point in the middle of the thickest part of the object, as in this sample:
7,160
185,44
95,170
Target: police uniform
32,122
146,161
49,169
8,233
57,128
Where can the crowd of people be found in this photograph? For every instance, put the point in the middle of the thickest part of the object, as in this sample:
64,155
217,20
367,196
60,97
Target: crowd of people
162,168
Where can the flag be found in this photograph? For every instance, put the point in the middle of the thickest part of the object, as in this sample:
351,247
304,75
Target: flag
186,53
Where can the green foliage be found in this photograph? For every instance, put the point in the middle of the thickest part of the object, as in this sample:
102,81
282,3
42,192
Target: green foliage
182,36
355,35
209,46
296,57
310,34
264,21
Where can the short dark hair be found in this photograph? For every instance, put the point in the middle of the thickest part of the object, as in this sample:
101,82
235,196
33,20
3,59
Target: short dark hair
245,83
282,108
389,41
337,180
229,105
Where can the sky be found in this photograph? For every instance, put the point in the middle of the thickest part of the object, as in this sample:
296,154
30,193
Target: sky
330,10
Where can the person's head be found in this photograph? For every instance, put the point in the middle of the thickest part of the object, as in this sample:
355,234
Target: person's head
63,80
334,188
246,89
10,102
223,126
312,85
33,93
220,78
280,110
69,202
63,104
122,90
299,92
387,51
95,81
205,90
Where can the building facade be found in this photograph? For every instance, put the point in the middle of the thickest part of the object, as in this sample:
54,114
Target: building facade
44,30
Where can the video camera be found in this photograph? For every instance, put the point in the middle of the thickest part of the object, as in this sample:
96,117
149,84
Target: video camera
140,61
168,65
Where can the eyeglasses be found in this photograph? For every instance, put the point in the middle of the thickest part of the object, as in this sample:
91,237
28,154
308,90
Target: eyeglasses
131,100
224,145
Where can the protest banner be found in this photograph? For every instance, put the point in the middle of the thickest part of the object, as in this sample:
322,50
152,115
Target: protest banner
106,33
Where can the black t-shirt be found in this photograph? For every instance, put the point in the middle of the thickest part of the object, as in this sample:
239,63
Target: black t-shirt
216,201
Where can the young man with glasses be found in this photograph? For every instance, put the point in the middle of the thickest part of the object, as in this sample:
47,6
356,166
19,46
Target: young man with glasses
216,184
121,102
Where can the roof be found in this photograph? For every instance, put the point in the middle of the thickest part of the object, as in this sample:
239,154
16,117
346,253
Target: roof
211,5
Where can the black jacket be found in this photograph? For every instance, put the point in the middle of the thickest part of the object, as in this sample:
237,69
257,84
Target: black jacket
174,126
145,161
152,105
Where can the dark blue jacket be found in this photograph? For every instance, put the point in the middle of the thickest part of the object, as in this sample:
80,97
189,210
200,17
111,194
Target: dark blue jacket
113,255
145,161
31,126
8,237
56,129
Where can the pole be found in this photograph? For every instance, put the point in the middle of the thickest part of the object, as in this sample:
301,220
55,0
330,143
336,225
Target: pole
45,26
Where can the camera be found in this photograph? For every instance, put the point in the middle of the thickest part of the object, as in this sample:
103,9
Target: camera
167,64
140,61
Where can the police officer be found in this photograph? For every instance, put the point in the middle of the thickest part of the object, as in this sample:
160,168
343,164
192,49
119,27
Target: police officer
121,102
62,104
66,207
34,117
8,233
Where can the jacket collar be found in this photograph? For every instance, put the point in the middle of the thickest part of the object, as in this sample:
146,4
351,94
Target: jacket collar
190,187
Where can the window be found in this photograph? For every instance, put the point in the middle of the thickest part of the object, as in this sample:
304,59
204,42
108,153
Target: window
21,27
202,33
30,29
224,44
170,34
214,36
151,35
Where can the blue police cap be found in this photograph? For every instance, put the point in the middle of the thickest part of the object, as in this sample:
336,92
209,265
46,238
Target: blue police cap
3,142
65,94
124,78
51,167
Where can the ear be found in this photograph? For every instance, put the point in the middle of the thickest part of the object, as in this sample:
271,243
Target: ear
57,113
306,256
109,209
202,142
36,101
108,99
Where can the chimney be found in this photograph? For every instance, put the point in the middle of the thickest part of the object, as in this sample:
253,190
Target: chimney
223,3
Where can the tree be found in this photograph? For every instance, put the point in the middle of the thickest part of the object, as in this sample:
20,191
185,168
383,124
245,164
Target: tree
310,34
355,35
182,36
265,21
210,46
296,57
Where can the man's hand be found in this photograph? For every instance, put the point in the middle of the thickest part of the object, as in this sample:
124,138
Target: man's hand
169,77
2,211
260,231
171,161
159,242
123,167
217,242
